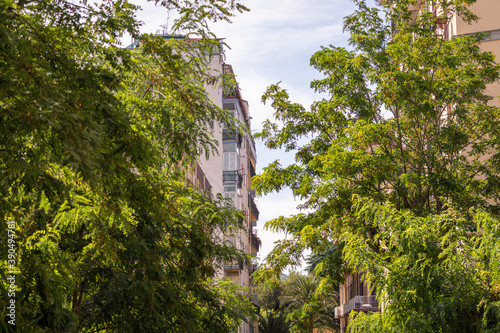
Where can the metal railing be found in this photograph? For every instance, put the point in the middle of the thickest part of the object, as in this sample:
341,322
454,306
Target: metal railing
197,178
255,242
233,176
358,303
228,135
254,212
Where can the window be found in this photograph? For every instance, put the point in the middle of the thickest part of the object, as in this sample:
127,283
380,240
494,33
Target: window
233,193
230,195
230,188
230,148
229,106
232,113
230,161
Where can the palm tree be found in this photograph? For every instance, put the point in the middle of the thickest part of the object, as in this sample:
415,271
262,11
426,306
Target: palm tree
308,306
273,322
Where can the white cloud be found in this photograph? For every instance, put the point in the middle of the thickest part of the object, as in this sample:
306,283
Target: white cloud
280,29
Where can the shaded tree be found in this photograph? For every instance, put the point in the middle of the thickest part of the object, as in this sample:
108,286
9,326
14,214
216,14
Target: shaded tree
318,261
272,317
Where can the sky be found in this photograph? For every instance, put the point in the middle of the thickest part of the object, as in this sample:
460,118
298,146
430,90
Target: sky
272,43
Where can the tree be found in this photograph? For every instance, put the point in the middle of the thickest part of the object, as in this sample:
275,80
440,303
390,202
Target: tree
297,303
309,303
272,317
401,168
94,139
269,294
316,261
273,322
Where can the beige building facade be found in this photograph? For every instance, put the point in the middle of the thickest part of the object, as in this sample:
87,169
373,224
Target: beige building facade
230,174
488,12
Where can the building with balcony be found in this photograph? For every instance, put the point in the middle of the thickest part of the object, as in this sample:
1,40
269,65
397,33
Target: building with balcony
230,173
354,295
487,11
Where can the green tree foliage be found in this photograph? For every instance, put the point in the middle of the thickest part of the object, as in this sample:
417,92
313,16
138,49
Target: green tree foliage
401,168
317,260
309,303
272,317
273,322
94,139
268,295
442,276
297,304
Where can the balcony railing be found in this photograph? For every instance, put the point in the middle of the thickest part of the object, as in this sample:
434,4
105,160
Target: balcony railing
357,303
254,212
255,242
228,135
197,177
233,176
232,267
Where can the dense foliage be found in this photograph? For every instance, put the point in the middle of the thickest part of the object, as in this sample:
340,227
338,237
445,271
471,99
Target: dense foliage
401,169
95,142
297,303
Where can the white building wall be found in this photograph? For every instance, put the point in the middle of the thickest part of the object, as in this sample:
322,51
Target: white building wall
213,169
213,166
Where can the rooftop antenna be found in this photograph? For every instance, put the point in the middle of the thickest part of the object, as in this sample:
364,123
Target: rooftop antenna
165,29
165,26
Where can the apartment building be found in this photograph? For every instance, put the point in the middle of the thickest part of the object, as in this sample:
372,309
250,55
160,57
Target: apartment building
238,168
354,293
229,172
487,11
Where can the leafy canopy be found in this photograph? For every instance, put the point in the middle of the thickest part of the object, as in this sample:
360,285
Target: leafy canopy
95,143
297,303
401,168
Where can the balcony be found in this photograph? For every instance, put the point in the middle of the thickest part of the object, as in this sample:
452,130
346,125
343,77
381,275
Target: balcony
255,241
357,303
254,212
253,294
228,135
202,179
252,170
232,176
197,177
232,267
